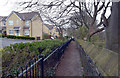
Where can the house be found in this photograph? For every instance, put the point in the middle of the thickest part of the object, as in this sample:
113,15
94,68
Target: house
51,30
3,24
26,24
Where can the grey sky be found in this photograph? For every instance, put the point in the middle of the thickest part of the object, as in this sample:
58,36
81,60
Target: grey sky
5,9
6,6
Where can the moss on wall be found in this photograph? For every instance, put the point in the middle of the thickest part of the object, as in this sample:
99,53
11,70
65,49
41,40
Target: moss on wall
106,60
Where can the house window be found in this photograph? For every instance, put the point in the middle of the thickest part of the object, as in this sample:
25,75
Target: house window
0,31
3,23
50,32
10,22
54,34
26,32
11,32
17,21
27,22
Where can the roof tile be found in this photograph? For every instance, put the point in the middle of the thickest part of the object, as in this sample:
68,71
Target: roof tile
27,15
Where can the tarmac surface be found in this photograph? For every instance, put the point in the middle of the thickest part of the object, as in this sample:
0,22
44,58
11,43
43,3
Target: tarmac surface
70,63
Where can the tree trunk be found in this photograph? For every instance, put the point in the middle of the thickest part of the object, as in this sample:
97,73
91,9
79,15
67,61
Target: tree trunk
112,31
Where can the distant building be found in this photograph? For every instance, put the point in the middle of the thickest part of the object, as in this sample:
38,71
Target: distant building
3,24
51,30
25,24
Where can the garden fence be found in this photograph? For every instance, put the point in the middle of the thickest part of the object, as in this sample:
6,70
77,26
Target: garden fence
42,66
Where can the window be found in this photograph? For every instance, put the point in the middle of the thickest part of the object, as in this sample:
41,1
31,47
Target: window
26,32
11,32
50,33
0,31
27,22
3,23
17,21
10,22
54,34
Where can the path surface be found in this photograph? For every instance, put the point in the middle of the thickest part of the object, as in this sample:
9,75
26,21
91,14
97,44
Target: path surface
6,42
70,64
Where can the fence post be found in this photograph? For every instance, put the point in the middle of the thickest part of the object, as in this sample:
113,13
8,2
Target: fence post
9,76
58,53
42,67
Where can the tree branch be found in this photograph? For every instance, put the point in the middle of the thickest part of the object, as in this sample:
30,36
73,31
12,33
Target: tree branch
98,30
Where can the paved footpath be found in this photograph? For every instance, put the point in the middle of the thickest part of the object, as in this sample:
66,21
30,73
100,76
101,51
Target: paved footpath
70,64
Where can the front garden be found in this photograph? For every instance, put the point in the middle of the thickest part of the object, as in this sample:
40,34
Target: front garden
19,54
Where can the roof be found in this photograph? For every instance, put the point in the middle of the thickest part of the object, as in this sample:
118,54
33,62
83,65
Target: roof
57,30
3,18
2,27
49,26
27,15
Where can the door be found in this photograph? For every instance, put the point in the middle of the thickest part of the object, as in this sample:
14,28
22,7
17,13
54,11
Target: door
17,33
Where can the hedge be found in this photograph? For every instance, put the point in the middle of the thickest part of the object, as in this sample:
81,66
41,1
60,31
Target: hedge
2,35
19,54
46,36
20,37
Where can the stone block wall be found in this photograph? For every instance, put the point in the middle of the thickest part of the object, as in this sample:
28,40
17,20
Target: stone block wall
106,60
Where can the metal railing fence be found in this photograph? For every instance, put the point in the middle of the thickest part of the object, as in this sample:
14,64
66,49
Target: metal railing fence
41,66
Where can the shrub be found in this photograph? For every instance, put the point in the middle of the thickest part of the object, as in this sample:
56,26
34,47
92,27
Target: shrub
19,54
3,35
11,36
20,37
46,36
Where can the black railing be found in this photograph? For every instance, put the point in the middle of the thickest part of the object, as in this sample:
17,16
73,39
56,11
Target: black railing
42,66
90,68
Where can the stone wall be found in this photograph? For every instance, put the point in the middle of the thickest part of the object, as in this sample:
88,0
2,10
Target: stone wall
106,60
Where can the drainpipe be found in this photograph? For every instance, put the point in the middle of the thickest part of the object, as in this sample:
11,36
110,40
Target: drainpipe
42,30
31,28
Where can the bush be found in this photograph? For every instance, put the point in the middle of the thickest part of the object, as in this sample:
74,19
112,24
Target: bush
11,36
3,35
19,54
20,37
46,36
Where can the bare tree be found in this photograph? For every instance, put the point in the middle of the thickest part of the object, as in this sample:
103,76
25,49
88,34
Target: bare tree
57,10
77,21
91,9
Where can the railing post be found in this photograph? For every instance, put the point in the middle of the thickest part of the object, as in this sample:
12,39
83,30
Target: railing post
58,54
42,67
9,76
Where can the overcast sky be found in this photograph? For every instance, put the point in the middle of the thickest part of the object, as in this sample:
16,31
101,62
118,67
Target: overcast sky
5,9
6,6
